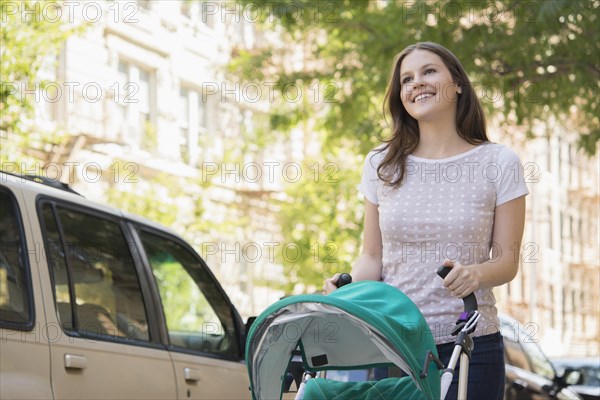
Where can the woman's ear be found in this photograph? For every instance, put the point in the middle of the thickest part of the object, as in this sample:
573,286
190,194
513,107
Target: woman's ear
458,90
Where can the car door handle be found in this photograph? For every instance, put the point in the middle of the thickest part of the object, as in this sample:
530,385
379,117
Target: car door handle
75,362
191,374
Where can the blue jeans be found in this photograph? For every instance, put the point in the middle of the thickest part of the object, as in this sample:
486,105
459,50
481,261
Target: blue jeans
486,369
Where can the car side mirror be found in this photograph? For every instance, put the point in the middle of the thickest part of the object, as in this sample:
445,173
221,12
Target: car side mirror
572,376
569,376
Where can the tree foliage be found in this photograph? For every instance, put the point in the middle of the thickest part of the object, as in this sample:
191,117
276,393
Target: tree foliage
528,61
32,34
321,221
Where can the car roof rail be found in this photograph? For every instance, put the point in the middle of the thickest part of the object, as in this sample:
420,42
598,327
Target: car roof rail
44,180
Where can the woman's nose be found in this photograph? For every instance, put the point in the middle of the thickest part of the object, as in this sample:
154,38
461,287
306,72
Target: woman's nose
417,81
415,85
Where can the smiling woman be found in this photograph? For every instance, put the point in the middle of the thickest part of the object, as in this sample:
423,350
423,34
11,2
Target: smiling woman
414,222
427,87
430,98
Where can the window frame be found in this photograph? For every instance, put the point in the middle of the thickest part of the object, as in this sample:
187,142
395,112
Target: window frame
131,104
509,355
237,320
155,339
524,348
195,127
30,324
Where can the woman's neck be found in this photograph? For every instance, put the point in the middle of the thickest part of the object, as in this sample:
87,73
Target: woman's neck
439,141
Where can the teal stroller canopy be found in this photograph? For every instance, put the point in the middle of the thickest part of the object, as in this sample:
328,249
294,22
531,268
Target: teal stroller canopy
360,325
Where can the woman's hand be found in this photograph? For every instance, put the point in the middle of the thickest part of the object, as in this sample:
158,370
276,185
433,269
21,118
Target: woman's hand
462,280
330,284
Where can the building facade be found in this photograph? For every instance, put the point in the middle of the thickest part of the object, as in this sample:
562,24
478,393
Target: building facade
556,292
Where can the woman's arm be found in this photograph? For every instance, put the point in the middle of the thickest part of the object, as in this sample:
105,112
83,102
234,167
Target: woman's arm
509,221
368,266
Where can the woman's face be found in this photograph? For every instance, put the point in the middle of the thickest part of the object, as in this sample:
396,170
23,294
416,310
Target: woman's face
427,90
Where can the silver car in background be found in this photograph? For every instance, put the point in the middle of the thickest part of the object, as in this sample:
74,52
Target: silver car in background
529,373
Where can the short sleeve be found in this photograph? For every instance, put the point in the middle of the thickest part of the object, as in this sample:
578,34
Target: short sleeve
511,181
368,181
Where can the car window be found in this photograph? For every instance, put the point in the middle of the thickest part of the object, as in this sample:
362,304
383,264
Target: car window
523,352
96,286
516,356
198,316
14,282
539,363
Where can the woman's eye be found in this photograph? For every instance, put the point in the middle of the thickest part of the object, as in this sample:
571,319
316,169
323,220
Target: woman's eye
429,71
406,80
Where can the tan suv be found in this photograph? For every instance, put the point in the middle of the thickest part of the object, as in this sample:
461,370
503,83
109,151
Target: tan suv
99,304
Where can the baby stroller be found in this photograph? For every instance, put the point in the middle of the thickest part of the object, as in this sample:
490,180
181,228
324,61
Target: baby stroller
362,325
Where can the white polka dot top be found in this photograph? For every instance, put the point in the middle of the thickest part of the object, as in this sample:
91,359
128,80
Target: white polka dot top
443,209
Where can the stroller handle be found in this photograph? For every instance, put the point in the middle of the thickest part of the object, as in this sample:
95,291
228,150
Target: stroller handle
469,301
343,280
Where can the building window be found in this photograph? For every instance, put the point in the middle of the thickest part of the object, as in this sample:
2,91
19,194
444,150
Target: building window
200,12
551,306
549,154
193,124
145,4
562,233
184,124
134,114
550,228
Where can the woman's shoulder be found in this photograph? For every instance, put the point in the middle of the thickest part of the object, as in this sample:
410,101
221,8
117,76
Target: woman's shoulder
502,152
375,156
499,151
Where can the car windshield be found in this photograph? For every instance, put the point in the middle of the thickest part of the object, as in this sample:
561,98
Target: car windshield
539,362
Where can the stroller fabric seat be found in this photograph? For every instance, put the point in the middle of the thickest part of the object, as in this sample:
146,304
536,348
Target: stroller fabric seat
386,389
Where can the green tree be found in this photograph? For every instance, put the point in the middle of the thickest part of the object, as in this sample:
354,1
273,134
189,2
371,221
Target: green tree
528,61
144,196
321,220
31,37
144,201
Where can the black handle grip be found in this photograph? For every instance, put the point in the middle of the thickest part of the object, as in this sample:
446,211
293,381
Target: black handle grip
470,301
343,279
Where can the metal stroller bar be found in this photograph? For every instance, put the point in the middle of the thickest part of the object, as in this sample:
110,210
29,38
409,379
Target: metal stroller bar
463,345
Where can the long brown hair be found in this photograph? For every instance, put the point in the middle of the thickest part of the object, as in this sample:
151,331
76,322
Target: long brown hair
470,121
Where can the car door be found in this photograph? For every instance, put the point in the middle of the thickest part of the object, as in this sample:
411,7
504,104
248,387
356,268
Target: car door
106,345
24,348
202,325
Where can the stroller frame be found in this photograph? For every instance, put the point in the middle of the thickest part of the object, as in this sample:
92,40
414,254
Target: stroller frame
463,345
